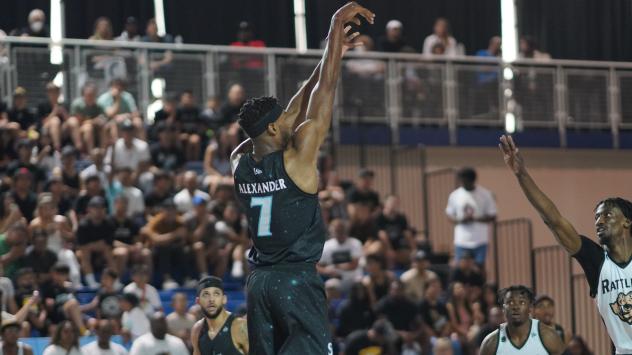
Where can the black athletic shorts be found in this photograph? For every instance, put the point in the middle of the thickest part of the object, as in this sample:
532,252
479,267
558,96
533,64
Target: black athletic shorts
287,311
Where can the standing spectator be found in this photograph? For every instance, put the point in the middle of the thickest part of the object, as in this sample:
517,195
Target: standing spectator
471,208
134,321
393,41
103,345
10,331
94,237
544,311
363,207
119,106
434,314
21,113
158,341
52,115
380,339
341,256
442,34
417,277
37,26
356,312
88,116
378,279
130,33
102,29
183,199
148,298
180,322
65,341
129,152
529,49
395,233
12,248
230,109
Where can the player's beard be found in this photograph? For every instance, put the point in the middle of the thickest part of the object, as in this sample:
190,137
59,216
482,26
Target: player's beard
213,315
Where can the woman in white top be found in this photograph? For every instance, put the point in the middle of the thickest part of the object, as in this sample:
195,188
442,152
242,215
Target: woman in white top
443,36
65,341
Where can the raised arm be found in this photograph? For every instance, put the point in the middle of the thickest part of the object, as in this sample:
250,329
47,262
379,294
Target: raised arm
562,229
311,133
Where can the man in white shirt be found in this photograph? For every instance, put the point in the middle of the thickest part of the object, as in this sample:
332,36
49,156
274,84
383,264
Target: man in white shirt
417,277
341,255
103,345
183,199
128,151
147,294
158,341
471,208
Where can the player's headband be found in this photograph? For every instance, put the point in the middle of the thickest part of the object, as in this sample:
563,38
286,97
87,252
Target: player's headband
210,281
261,126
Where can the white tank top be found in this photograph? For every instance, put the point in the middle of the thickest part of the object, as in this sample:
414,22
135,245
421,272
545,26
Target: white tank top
614,301
533,345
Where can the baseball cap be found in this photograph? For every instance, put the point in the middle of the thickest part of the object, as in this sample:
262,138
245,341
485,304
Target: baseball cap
366,173
198,200
542,298
96,201
393,24
127,125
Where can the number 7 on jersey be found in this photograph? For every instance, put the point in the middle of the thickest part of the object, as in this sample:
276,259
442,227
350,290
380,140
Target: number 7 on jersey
265,214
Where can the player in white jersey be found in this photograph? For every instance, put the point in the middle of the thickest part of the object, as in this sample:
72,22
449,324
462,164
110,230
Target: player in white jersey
606,265
521,334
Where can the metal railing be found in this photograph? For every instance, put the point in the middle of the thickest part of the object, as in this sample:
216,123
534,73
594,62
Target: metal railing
393,90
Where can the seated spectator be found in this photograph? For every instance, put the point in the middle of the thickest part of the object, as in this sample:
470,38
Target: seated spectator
27,295
60,301
332,199
51,115
36,28
22,194
89,117
443,346
106,301
61,201
209,248
12,247
92,188
97,168
124,185
217,159
168,113
442,35
378,280
494,319
193,126
489,298
10,331
222,196
158,341
463,316
578,346
69,173
166,154
102,29
7,296
94,238
363,207
230,108
417,277
210,112
381,338
24,149
529,49
129,152
356,312
341,256
183,199
46,157
148,298
161,191
492,50
393,41
434,314
130,33
151,35
402,313
9,212
39,257
395,233
180,322
119,106
544,311
232,232
128,247
467,272
134,321
20,113
246,38
65,340
103,345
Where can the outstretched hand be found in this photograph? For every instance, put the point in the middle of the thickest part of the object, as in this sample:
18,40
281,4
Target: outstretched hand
511,154
350,10
348,42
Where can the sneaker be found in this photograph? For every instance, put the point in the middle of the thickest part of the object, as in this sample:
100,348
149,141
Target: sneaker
169,285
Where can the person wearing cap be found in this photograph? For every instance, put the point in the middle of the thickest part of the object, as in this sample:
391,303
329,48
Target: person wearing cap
363,207
94,236
442,34
166,235
417,276
208,247
393,41
219,332
130,33
92,187
128,151
472,209
20,112
381,338
10,345
544,311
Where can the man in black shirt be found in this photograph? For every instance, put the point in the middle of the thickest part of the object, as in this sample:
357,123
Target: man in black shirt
160,192
393,41
166,154
22,194
93,188
380,339
94,236
39,257
363,207
59,299
37,26
393,229
24,149
230,109
21,113
467,272
126,242
401,312
433,311
51,114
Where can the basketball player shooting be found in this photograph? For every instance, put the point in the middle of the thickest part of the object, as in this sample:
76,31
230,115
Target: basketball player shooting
607,266
276,180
